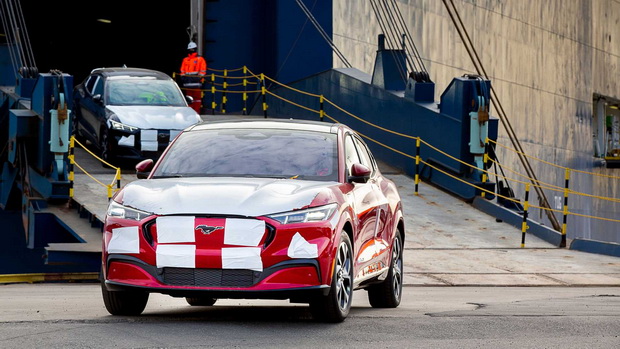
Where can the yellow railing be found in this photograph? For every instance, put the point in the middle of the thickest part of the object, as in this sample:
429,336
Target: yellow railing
110,187
260,80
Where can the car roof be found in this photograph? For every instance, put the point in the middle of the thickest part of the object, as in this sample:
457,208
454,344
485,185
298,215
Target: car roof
132,72
284,124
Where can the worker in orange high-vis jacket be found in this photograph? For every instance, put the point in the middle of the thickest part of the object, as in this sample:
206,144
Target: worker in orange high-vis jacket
193,71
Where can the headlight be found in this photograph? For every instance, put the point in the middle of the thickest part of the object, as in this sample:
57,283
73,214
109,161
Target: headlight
117,210
122,127
315,214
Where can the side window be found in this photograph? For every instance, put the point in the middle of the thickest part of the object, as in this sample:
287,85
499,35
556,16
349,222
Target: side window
90,83
98,90
351,156
365,156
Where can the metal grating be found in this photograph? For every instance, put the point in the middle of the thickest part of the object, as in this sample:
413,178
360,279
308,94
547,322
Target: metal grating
210,277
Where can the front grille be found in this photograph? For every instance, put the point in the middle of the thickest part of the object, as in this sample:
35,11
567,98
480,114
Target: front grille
210,277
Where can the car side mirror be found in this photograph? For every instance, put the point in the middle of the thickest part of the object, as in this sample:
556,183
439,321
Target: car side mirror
359,174
143,168
189,99
97,99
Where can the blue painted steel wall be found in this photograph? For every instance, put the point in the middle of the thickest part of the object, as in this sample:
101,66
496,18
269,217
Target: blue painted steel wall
7,73
273,37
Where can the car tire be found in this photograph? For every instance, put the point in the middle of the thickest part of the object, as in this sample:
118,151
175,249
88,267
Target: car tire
388,293
336,305
105,147
201,301
124,302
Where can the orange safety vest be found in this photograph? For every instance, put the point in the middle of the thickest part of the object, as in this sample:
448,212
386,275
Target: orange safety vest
194,64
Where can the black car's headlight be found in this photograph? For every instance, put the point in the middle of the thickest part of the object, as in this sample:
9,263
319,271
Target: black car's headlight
119,211
315,214
115,125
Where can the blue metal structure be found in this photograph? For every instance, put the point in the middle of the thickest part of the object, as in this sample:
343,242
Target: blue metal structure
35,130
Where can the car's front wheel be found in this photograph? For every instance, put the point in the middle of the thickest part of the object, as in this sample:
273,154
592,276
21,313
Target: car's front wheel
200,301
124,302
336,305
105,147
388,293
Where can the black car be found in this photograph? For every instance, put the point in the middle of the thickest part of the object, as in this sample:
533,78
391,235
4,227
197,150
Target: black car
130,113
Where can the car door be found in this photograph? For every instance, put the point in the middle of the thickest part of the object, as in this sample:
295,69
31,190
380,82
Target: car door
377,238
365,204
92,112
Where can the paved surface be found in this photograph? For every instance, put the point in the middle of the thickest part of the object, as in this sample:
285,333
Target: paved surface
448,242
73,316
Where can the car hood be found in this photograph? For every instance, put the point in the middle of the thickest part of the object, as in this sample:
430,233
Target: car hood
223,196
156,117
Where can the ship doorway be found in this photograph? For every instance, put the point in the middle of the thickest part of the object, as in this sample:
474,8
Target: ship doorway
144,34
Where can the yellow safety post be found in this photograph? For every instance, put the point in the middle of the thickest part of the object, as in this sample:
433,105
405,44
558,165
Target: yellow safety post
263,91
213,104
485,159
417,164
71,165
202,94
245,90
118,178
526,206
565,209
225,86
321,109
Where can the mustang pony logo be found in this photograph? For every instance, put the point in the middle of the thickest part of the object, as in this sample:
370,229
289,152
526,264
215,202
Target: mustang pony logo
206,229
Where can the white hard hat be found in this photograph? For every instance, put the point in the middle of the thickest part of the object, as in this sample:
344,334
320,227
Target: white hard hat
191,45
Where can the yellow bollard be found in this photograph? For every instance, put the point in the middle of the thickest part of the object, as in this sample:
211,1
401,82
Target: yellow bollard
526,206
417,165
565,208
485,160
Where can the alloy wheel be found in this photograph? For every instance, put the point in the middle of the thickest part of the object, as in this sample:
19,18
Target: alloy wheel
344,281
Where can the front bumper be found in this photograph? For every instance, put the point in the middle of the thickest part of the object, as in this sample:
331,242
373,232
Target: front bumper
298,279
144,144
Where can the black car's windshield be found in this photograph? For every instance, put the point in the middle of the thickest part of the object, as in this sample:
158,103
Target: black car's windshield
268,153
142,91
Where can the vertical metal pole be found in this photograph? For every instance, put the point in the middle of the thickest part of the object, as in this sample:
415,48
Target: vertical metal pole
245,90
565,210
213,105
225,86
118,179
485,159
202,94
526,206
263,91
417,164
321,108
71,163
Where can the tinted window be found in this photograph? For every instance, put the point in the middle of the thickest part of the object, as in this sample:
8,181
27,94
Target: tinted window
98,89
90,83
252,153
140,91
351,156
364,153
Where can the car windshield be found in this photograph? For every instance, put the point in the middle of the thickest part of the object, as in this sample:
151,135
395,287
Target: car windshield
270,153
140,91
